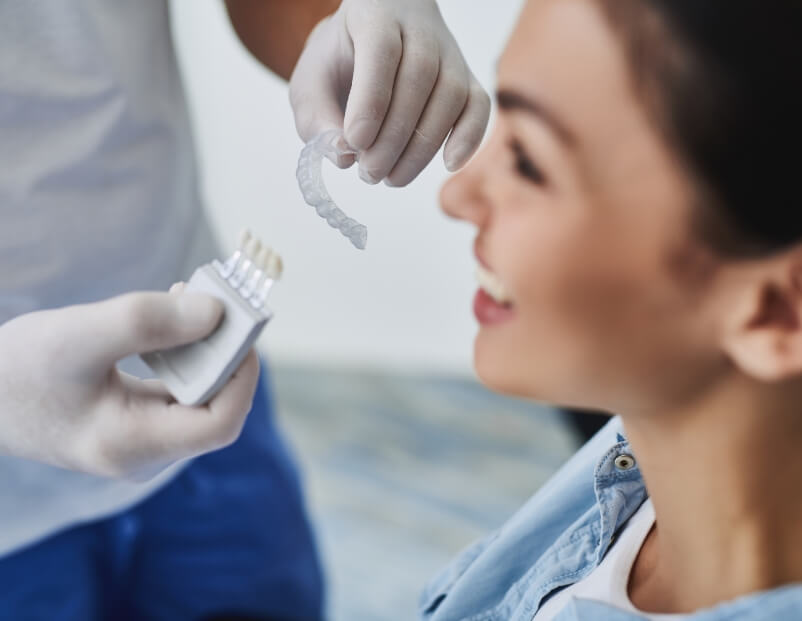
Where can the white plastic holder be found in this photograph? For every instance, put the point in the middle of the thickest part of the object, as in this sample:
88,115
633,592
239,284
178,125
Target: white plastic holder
194,373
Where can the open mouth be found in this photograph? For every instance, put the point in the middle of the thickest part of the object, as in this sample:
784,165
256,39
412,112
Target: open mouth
493,287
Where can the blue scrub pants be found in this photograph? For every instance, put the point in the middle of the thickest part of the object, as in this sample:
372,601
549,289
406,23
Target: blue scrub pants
228,538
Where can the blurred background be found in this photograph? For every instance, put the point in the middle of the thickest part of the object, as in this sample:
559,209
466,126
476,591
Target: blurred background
406,457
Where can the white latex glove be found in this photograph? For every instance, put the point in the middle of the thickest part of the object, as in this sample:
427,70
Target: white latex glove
63,402
391,75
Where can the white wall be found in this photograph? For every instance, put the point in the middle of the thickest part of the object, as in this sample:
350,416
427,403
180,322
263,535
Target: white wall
405,302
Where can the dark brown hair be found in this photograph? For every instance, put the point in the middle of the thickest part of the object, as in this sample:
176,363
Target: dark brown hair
722,81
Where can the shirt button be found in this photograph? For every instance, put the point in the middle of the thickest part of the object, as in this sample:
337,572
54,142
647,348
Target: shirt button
625,462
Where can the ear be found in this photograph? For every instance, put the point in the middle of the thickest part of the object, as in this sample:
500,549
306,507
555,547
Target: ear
764,337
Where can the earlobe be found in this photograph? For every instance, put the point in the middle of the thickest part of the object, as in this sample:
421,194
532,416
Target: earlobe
764,340
762,357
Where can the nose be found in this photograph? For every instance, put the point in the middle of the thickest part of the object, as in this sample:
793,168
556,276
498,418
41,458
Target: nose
462,197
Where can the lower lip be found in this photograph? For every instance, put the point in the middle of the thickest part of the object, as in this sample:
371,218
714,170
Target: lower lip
488,311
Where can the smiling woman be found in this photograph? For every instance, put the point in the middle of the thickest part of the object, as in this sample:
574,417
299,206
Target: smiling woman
641,253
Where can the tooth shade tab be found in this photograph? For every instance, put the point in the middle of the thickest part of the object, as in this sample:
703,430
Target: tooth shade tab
252,248
493,286
263,257
274,267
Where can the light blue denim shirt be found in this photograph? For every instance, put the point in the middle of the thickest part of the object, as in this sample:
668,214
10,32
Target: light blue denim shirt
557,538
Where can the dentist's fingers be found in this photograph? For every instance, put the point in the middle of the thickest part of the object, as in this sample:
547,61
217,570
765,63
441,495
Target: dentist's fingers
398,74
136,387
378,48
316,90
470,128
185,431
196,430
313,117
144,429
231,405
445,106
416,78
141,322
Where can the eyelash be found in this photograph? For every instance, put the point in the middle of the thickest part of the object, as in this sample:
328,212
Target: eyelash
525,166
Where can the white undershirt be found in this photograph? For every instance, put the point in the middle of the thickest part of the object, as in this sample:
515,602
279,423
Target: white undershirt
608,582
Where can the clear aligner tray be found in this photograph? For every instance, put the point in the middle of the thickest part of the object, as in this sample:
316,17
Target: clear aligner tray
310,179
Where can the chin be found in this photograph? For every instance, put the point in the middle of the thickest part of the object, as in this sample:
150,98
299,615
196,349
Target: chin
502,371
496,372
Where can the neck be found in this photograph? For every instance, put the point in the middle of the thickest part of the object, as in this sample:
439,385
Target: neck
724,477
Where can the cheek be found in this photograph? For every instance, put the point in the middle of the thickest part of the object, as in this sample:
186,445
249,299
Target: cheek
594,313
548,264
564,270
577,298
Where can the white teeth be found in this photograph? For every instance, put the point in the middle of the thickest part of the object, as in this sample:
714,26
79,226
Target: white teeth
492,285
263,257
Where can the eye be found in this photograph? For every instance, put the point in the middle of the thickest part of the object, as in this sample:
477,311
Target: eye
524,164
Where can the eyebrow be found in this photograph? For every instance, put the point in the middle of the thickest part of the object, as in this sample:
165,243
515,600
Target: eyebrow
510,101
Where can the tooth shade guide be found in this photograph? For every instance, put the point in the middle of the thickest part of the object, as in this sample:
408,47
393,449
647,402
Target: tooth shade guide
252,269
252,248
238,277
274,266
263,257
193,373
227,269
255,279
246,264
252,283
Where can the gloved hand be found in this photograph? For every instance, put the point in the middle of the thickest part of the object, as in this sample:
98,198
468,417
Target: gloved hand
405,82
63,402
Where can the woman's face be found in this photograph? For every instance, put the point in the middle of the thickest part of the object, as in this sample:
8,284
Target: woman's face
583,218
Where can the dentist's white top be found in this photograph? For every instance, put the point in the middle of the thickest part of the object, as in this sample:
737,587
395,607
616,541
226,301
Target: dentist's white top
98,196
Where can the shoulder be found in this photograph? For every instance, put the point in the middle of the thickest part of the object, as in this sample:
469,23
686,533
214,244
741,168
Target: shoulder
479,578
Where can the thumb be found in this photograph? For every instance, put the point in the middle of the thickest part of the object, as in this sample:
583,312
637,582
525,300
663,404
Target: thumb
314,103
317,95
142,322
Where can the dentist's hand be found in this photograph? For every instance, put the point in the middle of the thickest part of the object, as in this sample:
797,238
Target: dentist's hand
63,402
391,75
